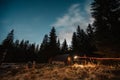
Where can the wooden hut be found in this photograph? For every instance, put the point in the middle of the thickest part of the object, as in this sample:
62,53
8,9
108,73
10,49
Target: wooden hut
64,58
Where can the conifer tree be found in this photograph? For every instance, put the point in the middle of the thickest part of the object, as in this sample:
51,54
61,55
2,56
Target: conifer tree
74,42
64,48
44,44
107,20
8,42
7,45
53,47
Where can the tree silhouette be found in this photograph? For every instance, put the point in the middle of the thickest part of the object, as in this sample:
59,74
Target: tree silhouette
114,20
53,37
78,41
107,25
50,47
44,50
106,15
8,42
44,44
81,40
53,46
31,52
64,47
83,43
74,42
7,45
90,31
91,38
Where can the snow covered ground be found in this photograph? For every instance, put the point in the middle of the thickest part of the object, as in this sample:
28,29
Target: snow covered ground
61,72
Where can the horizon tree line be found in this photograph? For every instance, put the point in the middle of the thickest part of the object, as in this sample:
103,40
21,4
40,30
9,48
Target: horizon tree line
104,33
23,51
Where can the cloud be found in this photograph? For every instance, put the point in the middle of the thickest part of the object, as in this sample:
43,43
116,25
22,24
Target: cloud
76,15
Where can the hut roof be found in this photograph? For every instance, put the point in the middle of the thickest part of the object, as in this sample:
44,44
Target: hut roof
61,57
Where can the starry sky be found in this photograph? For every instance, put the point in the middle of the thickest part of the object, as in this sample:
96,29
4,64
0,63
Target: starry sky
32,19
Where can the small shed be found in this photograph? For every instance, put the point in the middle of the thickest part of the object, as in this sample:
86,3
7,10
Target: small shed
65,58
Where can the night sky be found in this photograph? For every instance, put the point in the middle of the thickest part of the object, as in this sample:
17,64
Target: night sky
32,19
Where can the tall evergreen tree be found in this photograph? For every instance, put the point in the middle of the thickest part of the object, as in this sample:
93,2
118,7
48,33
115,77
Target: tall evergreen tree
8,42
91,38
53,48
26,44
90,34
31,52
107,20
81,36
22,44
7,45
64,48
81,43
16,51
74,42
90,31
53,37
21,54
114,20
106,14
44,50
44,44
16,44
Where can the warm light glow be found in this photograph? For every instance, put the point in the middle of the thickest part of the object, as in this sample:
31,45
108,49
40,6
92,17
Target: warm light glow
75,57
69,59
78,65
90,65
83,66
